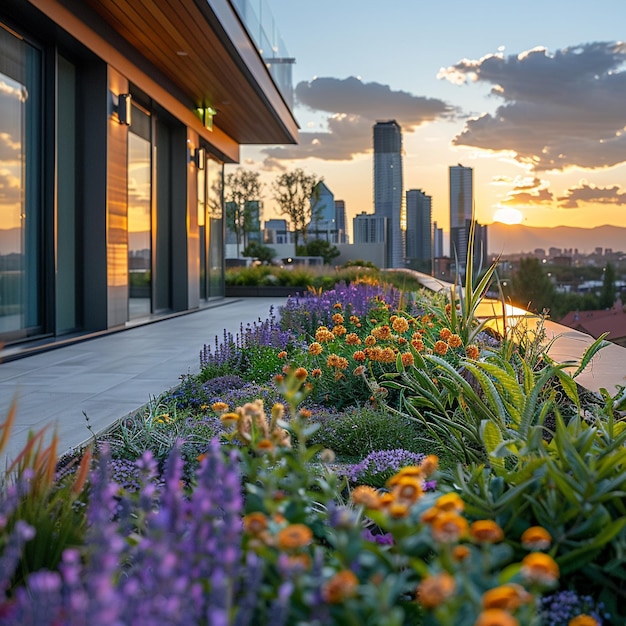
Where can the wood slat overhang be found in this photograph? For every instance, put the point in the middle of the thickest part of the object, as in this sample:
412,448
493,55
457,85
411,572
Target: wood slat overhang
203,49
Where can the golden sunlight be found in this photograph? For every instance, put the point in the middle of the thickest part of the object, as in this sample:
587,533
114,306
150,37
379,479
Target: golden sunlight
507,215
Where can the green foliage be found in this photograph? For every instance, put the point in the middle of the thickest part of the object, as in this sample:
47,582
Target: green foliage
607,295
531,286
257,250
319,247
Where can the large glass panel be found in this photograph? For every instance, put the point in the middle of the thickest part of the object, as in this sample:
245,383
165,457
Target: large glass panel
139,218
214,191
202,234
20,185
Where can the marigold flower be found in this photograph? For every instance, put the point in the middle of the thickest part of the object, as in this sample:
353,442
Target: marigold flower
472,351
408,489
265,445
440,347
331,360
450,502
305,413
429,465
429,515
400,325
454,341
359,370
279,378
506,597
496,617
540,568
294,536
402,341
316,373
583,620
359,356
367,496
382,332
282,354
387,355
486,531
228,419
435,590
444,333
418,344
370,340
407,359
337,319
323,335
460,553
219,407
448,527
352,339
536,538
255,523
412,471
342,363
315,348
339,331
354,319
448,308
301,373
342,585
398,509
338,306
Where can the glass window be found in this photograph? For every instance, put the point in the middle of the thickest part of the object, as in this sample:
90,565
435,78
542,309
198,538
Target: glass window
20,188
214,195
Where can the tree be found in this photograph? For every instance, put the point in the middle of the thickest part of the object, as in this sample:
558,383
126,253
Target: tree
320,247
257,250
607,295
295,193
531,287
241,190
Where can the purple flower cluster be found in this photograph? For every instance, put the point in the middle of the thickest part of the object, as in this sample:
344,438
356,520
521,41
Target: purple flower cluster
383,463
232,350
159,556
557,609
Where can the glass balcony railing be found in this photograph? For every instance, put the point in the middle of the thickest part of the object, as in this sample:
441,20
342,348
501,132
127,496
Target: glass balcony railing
261,26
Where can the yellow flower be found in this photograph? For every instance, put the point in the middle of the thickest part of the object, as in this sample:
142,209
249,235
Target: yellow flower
367,496
228,419
540,568
435,590
583,620
496,617
315,348
293,537
408,489
448,527
398,509
536,538
486,531
338,306
342,585
506,597
400,325
450,502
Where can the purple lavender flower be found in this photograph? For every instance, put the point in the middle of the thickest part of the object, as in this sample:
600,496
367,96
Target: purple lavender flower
377,466
557,609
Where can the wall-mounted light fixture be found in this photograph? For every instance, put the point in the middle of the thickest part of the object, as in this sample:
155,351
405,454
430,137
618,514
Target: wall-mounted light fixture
206,116
123,108
199,157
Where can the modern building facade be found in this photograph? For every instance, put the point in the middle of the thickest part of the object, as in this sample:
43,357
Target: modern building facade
340,217
115,121
461,204
388,189
419,244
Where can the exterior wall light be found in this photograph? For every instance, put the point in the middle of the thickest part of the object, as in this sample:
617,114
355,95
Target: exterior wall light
206,116
124,108
199,157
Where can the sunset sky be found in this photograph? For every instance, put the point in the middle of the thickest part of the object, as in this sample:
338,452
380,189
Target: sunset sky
531,95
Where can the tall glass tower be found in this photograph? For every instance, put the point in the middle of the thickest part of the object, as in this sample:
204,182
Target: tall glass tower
388,186
461,202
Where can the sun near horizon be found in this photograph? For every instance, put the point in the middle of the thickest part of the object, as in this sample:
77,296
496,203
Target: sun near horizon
508,215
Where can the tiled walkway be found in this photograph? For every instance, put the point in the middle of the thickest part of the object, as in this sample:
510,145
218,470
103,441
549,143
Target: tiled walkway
112,375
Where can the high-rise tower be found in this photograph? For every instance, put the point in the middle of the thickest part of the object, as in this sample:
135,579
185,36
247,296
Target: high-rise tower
418,230
461,202
388,186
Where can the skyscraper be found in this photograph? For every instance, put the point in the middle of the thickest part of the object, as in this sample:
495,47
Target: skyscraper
418,230
461,203
388,186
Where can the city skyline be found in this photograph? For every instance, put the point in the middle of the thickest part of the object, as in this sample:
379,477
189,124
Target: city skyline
531,100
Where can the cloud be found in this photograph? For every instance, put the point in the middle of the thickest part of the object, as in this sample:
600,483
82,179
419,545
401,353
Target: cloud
559,110
10,188
529,192
354,108
588,193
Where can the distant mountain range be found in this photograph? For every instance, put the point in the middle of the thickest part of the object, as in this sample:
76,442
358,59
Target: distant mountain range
514,238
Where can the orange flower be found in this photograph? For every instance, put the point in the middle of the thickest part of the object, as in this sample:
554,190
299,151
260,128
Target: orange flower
407,359
418,344
352,339
264,445
370,340
294,536
429,516
219,407
332,360
282,354
486,531
255,523
398,509
359,371
338,306
444,333
315,348
323,335
382,332
435,590
337,319
472,351
301,373
342,585
359,356
387,355
408,489
536,538
305,413
400,325
316,373
460,553
354,319
450,502
540,568
583,620
496,617
454,341
429,465
367,496
440,347
342,363
506,597
228,419
339,330
448,527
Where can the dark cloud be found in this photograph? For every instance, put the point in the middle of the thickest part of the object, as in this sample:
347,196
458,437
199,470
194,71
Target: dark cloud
354,108
560,110
529,198
587,193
